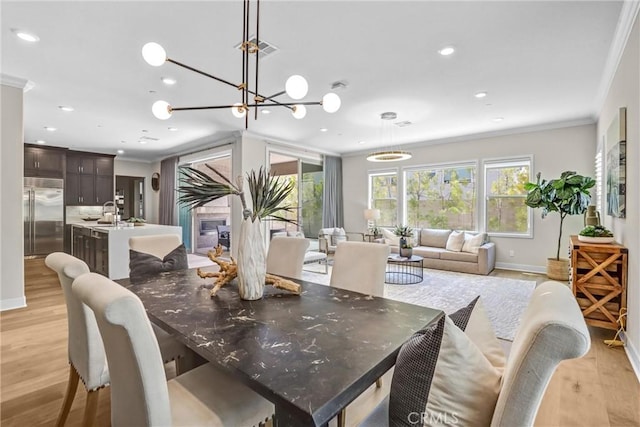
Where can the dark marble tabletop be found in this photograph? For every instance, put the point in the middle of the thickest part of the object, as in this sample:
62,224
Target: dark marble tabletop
310,354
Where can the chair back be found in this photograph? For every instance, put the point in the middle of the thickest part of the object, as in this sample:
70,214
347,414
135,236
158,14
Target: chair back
552,329
139,392
360,267
286,256
157,245
86,351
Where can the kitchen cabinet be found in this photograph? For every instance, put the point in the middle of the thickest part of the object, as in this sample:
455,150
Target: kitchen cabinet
91,246
44,162
89,179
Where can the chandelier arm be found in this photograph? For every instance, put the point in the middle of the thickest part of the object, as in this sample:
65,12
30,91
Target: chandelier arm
195,70
257,50
245,79
245,24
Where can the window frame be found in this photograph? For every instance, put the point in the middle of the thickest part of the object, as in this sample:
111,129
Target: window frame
385,172
506,162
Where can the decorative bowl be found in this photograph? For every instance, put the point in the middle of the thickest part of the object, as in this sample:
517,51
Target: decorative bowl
588,239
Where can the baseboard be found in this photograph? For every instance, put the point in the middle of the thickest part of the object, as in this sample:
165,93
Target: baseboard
12,303
521,267
632,354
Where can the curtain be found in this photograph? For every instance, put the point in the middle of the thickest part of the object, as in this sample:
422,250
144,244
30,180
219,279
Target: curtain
332,206
184,220
168,206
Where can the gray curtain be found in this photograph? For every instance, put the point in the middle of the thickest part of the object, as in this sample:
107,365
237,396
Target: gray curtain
168,209
332,206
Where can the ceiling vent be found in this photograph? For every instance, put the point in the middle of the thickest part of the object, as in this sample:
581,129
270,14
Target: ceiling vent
338,85
266,48
147,138
403,124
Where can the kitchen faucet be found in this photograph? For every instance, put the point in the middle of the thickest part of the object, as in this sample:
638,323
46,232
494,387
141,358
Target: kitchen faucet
110,209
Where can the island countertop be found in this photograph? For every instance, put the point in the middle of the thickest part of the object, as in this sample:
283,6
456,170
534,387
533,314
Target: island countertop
105,247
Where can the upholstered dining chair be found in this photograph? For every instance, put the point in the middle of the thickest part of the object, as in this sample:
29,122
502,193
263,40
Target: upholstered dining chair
359,267
140,395
85,350
552,329
87,361
285,256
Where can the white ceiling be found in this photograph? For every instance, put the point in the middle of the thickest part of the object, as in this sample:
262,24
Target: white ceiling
541,62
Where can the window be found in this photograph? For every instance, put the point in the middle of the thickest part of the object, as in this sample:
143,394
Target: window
442,197
383,195
506,212
598,190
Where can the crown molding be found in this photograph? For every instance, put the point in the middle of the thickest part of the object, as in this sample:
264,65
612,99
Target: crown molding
17,82
626,20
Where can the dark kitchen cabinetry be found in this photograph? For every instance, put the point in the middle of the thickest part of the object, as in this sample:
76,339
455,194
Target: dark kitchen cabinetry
44,162
92,247
89,179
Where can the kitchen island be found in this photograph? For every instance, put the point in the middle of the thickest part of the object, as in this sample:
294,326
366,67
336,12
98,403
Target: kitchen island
105,247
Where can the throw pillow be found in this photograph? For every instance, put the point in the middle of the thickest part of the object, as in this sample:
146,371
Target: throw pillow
142,264
472,242
442,378
390,238
339,235
455,241
434,238
295,233
475,323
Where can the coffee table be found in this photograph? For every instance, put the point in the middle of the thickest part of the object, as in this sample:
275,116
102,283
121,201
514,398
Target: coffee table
404,270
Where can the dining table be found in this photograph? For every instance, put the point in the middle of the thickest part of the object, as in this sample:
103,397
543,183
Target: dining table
310,354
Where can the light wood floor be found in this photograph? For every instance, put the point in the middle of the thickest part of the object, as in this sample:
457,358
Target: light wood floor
598,390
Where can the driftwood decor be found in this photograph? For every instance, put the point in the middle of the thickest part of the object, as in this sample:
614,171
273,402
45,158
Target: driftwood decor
229,271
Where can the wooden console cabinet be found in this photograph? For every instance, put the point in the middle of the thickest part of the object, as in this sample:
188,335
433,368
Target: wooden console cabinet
599,281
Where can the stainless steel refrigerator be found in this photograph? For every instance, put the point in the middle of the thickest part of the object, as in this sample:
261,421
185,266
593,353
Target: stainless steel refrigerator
43,210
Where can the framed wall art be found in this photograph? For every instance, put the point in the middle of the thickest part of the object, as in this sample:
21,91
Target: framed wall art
617,165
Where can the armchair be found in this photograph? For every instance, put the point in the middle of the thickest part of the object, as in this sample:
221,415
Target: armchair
224,236
328,238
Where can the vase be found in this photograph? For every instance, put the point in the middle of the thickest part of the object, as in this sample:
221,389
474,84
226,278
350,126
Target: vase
591,216
252,265
558,269
406,252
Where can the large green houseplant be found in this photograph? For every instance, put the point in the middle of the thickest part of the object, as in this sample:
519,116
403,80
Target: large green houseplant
268,195
567,195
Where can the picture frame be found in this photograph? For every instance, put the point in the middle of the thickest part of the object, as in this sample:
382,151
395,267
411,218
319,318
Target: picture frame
616,143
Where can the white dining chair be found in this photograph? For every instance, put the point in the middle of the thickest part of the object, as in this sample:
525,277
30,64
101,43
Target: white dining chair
359,267
87,361
140,396
285,256
552,329
156,245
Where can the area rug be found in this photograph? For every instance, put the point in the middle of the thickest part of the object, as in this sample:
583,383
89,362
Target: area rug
504,299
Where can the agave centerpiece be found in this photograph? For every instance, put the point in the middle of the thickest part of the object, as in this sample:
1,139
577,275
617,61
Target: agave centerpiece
268,194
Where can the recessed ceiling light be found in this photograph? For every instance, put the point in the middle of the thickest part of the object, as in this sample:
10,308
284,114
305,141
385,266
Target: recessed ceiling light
144,131
152,91
446,51
123,142
169,81
41,142
142,141
362,142
120,151
323,129
480,94
498,119
28,37
172,129
50,129
66,108
265,111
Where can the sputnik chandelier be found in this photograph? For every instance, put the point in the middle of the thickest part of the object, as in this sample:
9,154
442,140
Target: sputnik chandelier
296,86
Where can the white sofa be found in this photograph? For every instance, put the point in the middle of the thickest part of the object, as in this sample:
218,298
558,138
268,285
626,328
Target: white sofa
431,244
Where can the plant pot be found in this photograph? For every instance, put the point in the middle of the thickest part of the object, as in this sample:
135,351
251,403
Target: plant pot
588,239
252,265
406,252
558,269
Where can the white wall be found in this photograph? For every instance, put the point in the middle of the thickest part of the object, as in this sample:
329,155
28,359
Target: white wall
142,170
625,92
11,173
554,151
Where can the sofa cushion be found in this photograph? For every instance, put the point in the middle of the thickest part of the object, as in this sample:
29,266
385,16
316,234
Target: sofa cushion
426,252
441,374
459,256
472,242
455,241
434,238
390,238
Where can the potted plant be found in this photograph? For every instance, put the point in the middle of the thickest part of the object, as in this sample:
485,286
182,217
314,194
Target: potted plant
567,195
595,234
404,231
268,194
